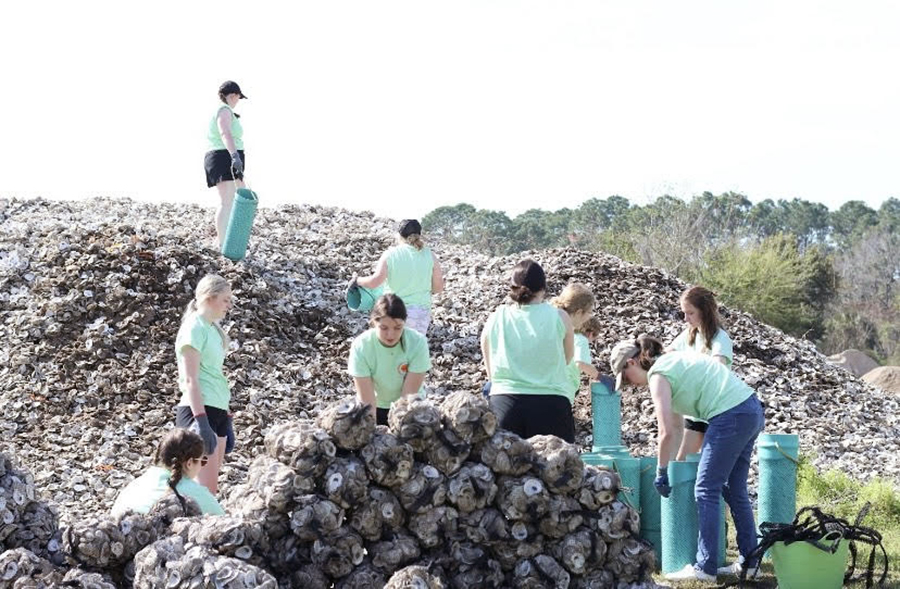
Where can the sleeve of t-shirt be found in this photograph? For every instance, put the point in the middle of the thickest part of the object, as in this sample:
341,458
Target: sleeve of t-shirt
679,344
582,349
357,365
420,360
206,500
191,334
722,346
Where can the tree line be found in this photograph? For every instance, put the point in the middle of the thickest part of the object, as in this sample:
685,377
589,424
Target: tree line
829,276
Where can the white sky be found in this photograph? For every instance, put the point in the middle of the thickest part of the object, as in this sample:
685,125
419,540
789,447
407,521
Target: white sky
400,107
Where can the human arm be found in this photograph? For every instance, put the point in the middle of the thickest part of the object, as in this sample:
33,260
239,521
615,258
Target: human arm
224,122
588,369
365,391
412,382
191,363
568,337
378,277
437,276
486,351
722,359
667,422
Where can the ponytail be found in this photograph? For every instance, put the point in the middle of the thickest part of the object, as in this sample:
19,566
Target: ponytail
176,447
414,240
650,349
209,286
173,484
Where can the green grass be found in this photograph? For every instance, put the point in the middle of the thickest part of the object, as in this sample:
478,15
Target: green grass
837,494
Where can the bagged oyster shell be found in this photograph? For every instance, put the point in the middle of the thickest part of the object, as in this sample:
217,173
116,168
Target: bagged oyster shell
288,555
524,542
540,572
434,527
349,423
484,526
275,482
139,530
83,579
345,482
96,542
564,516
338,553
414,421
381,513
579,551
425,489
20,567
468,416
365,576
36,524
393,553
388,461
522,498
305,448
597,579
315,517
473,487
508,454
165,511
244,500
598,488
447,451
615,521
414,577
473,567
227,535
308,576
630,560
558,463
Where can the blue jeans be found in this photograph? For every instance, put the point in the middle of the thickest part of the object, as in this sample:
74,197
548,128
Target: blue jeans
723,471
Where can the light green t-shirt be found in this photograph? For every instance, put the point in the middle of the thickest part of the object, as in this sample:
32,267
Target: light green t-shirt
701,385
526,351
141,494
721,345
203,336
388,367
582,354
214,137
409,274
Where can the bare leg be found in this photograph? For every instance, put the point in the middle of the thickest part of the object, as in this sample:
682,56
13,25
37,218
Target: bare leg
226,191
691,444
209,474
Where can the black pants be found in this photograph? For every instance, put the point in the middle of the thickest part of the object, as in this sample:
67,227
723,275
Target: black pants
534,415
381,415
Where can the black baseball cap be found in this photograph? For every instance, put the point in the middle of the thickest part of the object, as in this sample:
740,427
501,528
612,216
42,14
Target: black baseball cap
409,227
230,87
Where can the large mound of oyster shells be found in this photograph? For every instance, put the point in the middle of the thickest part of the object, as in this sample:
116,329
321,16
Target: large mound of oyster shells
91,295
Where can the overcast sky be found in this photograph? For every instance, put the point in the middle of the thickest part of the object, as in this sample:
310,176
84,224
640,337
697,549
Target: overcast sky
400,107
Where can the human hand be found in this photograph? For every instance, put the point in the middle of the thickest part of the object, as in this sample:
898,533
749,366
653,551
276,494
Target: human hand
237,163
351,284
607,381
662,481
202,428
229,436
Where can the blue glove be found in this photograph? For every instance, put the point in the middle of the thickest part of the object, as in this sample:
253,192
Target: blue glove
202,428
237,164
662,481
229,436
486,390
607,381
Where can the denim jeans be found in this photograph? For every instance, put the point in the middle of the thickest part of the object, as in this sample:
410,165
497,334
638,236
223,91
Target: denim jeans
723,471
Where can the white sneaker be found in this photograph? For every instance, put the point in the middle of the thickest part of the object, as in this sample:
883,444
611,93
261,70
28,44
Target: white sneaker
735,569
690,573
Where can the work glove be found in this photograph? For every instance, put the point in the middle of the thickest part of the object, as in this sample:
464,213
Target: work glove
202,428
662,481
607,381
229,435
486,390
237,164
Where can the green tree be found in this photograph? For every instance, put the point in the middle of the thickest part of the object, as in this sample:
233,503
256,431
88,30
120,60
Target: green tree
449,223
489,232
850,222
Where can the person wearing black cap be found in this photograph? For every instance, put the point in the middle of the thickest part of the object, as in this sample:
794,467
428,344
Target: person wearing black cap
411,271
224,160
527,347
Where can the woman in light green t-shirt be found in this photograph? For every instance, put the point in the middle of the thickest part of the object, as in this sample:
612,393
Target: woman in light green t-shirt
179,459
409,270
225,158
688,383
577,301
388,361
704,334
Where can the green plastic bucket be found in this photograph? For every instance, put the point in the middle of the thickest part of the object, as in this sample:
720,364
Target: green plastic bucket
650,506
237,234
616,450
363,299
800,565
629,470
606,408
777,477
678,518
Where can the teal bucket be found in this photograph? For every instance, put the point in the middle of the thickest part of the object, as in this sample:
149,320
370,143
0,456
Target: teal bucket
629,470
778,458
615,451
723,524
237,235
678,518
650,506
606,407
363,299
800,565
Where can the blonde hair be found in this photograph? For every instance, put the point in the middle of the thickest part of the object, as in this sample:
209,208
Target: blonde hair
210,285
414,240
574,297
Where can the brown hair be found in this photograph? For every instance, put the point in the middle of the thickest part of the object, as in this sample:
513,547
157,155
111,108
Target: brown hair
210,285
527,280
389,305
592,325
174,449
704,300
650,349
414,240
574,297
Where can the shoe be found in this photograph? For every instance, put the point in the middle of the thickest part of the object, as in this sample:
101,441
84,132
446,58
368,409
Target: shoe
735,569
690,573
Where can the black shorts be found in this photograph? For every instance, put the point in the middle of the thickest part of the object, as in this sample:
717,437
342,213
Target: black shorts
534,415
218,167
218,418
381,415
695,426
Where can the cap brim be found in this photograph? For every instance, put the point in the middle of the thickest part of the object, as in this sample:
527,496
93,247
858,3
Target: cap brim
242,95
619,378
